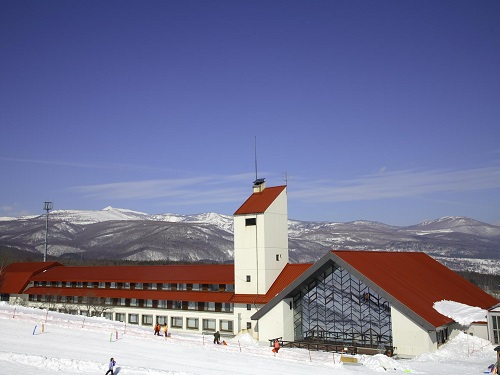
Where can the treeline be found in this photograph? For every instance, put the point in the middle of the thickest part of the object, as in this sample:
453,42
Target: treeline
490,283
10,255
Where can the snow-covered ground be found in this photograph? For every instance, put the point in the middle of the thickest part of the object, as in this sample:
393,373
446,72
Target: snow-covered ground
72,344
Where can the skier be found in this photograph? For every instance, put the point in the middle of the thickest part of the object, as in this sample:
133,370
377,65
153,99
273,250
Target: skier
217,337
165,330
112,364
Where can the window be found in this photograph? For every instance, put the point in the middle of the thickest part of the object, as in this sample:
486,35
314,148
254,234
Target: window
210,306
68,284
134,302
181,287
227,307
248,278
122,302
249,306
226,325
126,285
90,284
133,318
48,284
209,324
108,301
153,286
148,303
229,287
176,322
162,304
161,319
191,305
249,325
165,286
213,287
496,328
278,257
79,284
196,287
139,286
108,315
59,284
112,285
147,320
177,305
191,323
102,285
251,221
120,317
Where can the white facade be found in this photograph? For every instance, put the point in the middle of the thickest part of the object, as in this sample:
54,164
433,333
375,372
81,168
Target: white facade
278,322
410,339
260,247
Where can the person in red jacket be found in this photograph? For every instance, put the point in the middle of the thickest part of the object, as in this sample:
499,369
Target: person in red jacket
276,346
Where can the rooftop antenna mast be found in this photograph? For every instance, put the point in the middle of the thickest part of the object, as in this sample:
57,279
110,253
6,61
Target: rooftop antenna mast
47,206
255,153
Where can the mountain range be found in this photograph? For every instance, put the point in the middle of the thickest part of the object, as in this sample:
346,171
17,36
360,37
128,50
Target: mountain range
460,243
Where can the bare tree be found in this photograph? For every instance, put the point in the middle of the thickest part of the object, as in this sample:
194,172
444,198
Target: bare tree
96,306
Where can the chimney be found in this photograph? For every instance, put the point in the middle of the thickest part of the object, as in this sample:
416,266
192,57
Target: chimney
259,185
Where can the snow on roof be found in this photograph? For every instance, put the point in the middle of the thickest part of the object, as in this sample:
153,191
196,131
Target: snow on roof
460,313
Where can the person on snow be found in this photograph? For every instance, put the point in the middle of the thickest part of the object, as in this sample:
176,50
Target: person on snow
217,337
165,330
157,329
276,346
112,364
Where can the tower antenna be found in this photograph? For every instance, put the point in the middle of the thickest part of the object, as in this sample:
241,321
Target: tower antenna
255,153
47,206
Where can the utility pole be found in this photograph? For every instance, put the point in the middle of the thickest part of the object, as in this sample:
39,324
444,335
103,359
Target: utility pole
47,206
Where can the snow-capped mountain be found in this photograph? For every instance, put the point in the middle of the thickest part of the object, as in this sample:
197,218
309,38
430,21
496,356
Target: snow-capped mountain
112,233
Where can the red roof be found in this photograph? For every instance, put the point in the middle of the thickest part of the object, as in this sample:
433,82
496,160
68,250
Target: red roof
259,202
192,273
417,281
285,278
16,276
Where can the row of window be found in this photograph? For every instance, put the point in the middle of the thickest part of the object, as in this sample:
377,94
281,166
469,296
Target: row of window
137,286
134,302
177,322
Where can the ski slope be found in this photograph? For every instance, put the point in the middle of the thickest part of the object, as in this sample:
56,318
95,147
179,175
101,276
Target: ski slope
72,344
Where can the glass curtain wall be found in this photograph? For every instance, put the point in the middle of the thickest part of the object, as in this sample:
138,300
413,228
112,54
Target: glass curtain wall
336,307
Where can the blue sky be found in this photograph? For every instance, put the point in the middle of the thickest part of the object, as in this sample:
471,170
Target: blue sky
374,110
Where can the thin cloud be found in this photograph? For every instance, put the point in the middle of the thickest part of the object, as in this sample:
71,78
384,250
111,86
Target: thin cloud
398,184
73,164
181,191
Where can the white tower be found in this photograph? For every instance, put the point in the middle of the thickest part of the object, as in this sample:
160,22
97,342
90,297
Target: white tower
260,239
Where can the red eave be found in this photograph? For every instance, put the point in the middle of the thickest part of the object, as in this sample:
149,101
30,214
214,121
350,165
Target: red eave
289,274
195,273
16,276
174,295
417,281
259,202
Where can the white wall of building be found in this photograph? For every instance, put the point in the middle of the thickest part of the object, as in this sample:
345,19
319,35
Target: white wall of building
261,250
218,320
278,322
410,339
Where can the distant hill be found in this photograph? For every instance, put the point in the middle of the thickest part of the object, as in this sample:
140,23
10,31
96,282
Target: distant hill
460,243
